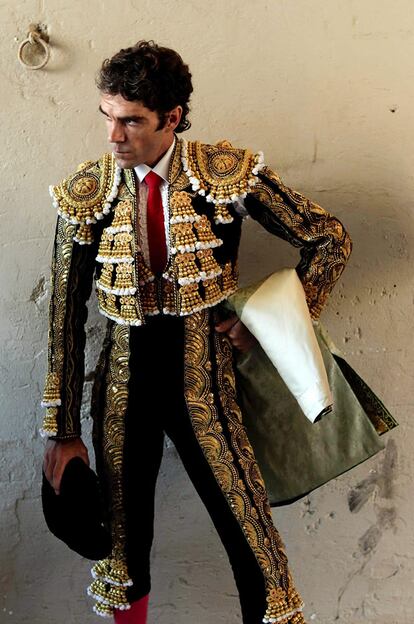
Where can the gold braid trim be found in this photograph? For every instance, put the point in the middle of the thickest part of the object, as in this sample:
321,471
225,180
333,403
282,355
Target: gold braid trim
127,289
56,336
326,246
118,292
86,196
242,485
111,574
221,172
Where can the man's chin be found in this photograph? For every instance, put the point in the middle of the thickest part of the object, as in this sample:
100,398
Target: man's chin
124,161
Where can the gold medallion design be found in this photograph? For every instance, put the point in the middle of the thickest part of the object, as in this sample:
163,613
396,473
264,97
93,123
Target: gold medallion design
86,196
222,173
83,186
223,164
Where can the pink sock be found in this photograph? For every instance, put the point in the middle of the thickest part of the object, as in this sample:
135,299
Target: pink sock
137,614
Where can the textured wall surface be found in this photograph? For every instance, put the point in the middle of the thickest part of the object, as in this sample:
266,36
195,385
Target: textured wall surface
326,89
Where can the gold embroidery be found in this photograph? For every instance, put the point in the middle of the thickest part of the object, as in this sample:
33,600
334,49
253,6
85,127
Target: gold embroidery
122,244
84,186
245,491
124,272
124,279
176,177
168,290
149,298
86,196
105,279
50,426
84,234
187,270
182,210
143,271
213,293
221,172
51,395
122,220
178,181
111,575
183,237
190,299
189,234
282,598
56,338
118,249
110,305
325,244
105,246
115,247
222,215
206,238
209,265
128,312
230,278
86,164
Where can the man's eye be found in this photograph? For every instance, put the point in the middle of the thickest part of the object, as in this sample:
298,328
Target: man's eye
131,122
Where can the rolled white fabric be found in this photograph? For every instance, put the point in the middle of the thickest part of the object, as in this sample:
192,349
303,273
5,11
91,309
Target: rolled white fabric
277,314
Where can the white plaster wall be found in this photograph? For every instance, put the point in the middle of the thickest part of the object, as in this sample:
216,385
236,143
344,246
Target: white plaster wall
326,89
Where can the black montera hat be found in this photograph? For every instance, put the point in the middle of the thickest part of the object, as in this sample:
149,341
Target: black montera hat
75,516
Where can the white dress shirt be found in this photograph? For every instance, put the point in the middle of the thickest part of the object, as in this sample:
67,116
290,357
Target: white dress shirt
161,168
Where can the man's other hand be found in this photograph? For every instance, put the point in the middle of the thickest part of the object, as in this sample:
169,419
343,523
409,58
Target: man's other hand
58,454
239,335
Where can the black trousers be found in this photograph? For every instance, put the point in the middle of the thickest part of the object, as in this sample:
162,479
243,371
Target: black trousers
157,406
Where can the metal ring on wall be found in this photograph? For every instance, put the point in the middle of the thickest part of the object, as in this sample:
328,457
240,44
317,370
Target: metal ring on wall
33,38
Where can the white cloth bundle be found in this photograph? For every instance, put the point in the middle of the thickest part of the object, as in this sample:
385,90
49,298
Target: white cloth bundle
276,313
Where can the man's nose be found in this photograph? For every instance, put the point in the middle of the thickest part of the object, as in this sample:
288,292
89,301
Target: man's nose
116,133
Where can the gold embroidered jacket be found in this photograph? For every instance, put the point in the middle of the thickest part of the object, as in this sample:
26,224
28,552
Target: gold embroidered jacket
96,233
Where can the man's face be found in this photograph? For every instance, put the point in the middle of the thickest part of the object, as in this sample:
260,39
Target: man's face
133,131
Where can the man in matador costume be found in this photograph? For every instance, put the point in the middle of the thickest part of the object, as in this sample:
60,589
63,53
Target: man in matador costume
158,221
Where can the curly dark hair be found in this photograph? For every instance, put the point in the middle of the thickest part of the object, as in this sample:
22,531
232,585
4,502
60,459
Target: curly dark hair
150,74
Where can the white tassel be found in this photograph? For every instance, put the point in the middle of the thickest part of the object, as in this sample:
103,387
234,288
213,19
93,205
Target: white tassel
44,433
120,321
116,291
119,260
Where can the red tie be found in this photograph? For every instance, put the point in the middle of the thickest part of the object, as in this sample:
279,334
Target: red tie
155,223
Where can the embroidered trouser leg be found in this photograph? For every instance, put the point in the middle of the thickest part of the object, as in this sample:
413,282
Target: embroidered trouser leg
156,404
143,376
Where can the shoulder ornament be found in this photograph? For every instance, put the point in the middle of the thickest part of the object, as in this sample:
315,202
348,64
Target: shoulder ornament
86,196
221,172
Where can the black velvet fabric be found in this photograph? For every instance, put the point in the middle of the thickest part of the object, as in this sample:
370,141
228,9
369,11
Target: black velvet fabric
157,406
75,515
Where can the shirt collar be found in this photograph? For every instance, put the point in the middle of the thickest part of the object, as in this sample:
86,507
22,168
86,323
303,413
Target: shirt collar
161,168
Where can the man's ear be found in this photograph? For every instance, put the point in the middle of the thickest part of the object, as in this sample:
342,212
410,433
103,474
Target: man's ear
174,117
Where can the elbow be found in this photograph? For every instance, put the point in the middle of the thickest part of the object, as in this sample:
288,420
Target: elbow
341,242
346,246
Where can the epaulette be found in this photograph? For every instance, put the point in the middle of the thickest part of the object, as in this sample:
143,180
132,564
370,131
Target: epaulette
86,196
221,172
